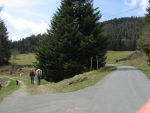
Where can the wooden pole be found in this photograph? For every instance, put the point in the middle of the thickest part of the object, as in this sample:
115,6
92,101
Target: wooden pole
91,63
97,62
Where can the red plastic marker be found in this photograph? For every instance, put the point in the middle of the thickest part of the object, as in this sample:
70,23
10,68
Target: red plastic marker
145,108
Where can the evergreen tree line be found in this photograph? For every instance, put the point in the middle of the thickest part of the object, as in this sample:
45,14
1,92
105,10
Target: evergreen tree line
123,33
28,44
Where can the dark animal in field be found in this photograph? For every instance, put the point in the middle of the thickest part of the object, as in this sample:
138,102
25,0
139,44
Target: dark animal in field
17,82
1,86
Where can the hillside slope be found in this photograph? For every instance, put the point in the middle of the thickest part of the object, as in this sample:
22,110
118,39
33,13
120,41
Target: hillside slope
123,33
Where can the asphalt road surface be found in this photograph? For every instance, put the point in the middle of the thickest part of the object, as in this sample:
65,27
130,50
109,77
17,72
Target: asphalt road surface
122,91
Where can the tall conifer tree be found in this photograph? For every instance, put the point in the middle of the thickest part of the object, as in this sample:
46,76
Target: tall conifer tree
75,36
4,44
144,42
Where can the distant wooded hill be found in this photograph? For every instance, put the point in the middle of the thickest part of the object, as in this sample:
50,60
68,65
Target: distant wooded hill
27,45
122,35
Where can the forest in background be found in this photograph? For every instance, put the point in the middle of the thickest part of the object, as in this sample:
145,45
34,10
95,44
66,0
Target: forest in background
122,34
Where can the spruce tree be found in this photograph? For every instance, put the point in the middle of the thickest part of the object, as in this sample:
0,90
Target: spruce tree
75,36
144,42
147,18
4,44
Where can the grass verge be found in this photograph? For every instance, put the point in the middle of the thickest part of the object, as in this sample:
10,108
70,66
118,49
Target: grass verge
139,60
136,59
80,81
8,90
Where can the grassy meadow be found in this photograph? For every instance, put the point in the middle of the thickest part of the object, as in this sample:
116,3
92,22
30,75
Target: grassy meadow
23,59
112,56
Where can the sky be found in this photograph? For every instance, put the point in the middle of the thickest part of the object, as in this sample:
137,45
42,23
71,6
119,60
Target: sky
26,17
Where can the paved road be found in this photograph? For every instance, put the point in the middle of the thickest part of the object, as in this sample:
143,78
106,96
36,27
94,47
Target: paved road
122,91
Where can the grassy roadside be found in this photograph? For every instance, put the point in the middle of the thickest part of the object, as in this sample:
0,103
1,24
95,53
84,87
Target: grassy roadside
8,90
139,60
136,59
68,85
80,81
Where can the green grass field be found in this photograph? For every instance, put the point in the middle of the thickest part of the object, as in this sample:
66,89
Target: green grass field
112,56
23,59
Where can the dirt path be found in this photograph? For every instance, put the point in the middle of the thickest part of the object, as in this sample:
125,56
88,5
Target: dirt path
22,91
26,91
43,89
